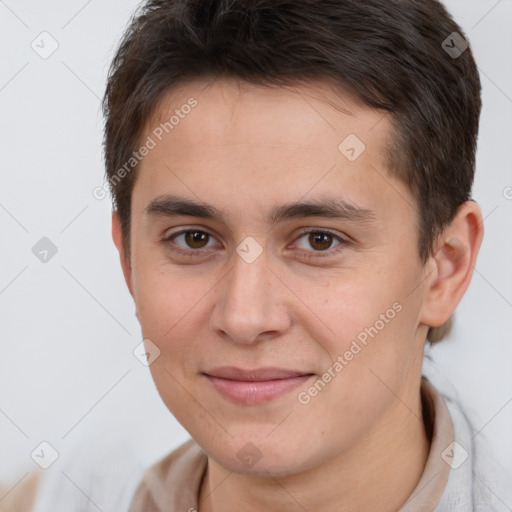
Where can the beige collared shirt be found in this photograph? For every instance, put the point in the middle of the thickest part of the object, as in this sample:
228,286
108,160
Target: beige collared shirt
173,483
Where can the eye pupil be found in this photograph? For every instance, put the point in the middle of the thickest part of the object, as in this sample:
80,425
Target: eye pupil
323,239
196,239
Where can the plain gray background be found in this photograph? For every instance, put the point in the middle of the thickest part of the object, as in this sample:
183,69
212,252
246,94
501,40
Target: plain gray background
68,329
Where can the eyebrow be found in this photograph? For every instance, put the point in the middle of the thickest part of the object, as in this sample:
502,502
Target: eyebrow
328,207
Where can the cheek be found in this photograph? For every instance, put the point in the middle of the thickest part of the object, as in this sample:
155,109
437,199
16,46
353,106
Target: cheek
369,359
174,312
163,294
352,302
373,318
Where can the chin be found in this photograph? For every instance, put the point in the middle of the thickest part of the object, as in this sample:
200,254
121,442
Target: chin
258,455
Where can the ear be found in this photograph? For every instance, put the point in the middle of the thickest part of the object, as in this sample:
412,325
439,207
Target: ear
117,236
453,263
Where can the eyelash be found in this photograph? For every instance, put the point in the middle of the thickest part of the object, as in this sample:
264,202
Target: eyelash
343,242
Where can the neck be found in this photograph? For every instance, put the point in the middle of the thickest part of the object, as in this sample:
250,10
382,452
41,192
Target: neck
380,473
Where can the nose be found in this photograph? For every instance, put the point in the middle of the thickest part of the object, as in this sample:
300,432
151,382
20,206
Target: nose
250,303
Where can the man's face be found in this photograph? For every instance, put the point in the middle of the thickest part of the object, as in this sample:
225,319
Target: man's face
252,308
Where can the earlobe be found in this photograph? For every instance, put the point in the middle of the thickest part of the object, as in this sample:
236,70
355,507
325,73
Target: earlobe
117,236
454,259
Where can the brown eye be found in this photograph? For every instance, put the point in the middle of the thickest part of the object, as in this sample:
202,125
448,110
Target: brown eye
320,241
189,241
196,239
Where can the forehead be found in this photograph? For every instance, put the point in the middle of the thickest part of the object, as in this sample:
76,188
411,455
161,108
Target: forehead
234,108
230,143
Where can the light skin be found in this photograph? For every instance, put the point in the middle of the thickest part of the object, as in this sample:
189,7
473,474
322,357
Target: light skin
360,443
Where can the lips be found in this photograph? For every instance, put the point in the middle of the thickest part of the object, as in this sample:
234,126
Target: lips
255,386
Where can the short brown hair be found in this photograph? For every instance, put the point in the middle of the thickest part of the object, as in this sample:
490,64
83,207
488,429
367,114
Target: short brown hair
393,55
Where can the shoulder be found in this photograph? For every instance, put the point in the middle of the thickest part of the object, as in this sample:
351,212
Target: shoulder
20,495
474,483
173,482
